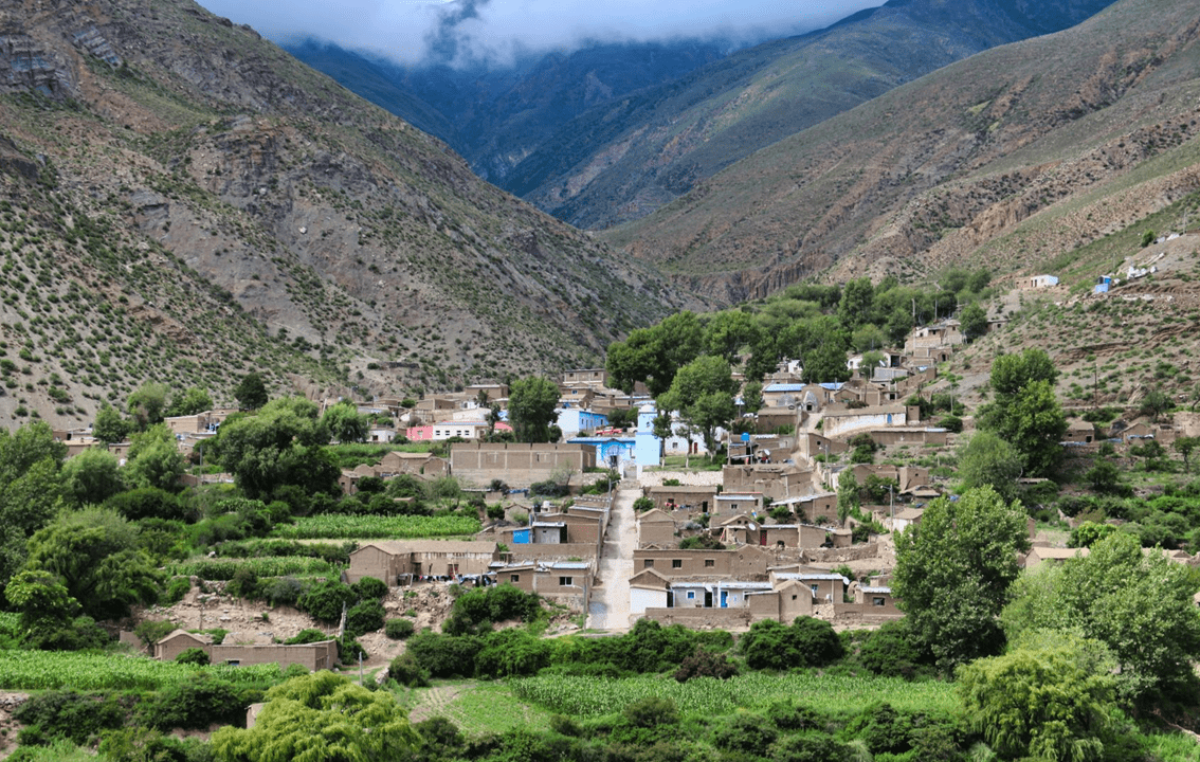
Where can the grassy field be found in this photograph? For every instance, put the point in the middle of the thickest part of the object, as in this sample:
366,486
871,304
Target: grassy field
337,526
476,707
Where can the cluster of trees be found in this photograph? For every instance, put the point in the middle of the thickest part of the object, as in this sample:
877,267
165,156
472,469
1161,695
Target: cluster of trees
1047,658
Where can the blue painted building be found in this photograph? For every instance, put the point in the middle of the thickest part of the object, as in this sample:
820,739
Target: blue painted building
647,447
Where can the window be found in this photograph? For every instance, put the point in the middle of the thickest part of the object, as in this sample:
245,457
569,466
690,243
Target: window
815,590
648,563
709,563
566,581
676,563
515,578
233,662
691,595
876,601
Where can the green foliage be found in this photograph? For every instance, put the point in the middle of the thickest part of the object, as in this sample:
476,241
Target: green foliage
654,355
512,653
92,476
702,393
90,671
531,404
94,552
150,631
398,629
146,405
893,651
76,717
1047,703
1025,412
251,392
283,444
341,526
109,427
325,600
643,504
30,489
193,656
500,603
192,401
974,321
706,664
196,704
1137,604
445,655
321,718
365,616
406,671
953,572
1089,533
345,424
986,460
154,460
807,642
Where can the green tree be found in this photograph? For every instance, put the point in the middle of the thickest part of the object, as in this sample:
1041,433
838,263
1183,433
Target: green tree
847,494
986,460
147,404
858,297
1047,702
251,392
974,321
1185,446
154,460
1025,412
109,427
653,355
345,424
92,476
31,489
1089,533
283,444
321,717
702,393
1155,403
953,571
94,553
1137,604
531,408
727,332
193,401
826,364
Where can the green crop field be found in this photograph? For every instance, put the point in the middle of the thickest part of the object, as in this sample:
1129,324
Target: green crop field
589,696
45,670
263,566
340,526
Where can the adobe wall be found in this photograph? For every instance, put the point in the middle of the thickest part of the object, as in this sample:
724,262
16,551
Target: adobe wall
171,649
519,464
552,552
887,437
312,656
375,562
865,612
692,563
838,555
705,619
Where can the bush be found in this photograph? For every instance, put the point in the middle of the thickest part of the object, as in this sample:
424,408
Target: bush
892,651
196,704
77,717
405,669
324,601
149,503
364,617
706,664
153,630
177,588
749,733
310,635
282,591
643,504
809,748
195,656
369,588
788,716
549,489
512,653
244,583
398,629
497,604
444,655
651,712
808,642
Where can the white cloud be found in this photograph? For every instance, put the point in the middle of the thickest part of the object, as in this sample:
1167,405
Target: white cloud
407,30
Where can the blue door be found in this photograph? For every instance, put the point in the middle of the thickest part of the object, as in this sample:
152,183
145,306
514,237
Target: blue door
724,599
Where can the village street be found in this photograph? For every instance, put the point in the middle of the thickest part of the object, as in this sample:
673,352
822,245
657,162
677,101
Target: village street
609,609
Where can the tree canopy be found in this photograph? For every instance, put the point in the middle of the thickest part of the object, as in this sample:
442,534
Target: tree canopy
953,571
702,393
531,408
321,717
1026,412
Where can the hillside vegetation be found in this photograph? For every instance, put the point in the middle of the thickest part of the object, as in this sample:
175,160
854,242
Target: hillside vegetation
221,198
1010,159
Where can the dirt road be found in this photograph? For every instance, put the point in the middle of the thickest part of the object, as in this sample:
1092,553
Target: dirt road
610,597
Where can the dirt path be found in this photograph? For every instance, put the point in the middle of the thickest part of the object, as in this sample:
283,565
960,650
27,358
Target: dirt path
610,597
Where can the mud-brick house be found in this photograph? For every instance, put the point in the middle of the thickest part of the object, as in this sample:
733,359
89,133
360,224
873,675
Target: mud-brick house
746,563
394,560
812,508
518,463
745,531
701,499
655,527
311,656
825,587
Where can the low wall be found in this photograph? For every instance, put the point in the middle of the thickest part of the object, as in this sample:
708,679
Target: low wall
550,551
704,619
838,555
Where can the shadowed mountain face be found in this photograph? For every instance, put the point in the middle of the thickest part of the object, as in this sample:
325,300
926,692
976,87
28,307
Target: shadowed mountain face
623,160
158,158
1022,156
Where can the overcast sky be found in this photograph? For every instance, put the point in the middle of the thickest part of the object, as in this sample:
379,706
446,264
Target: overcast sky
409,31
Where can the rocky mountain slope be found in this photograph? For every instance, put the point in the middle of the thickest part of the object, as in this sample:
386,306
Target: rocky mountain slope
181,200
1029,155
622,160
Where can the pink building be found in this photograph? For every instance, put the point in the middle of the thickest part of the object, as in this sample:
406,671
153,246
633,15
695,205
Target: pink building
438,432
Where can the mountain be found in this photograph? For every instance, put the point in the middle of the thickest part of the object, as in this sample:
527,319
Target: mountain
1043,154
626,158
495,116
182,201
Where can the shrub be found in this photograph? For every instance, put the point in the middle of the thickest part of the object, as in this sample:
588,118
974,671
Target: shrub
153,630
282,591
369,588
651,712
77,717
398,629
364,617
892,651
788,716
510,653
809,748
643,504
196,704
405,669
244,583
745,732
706,664
440,738
444,655
194,656
324,601
310,635
177,588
